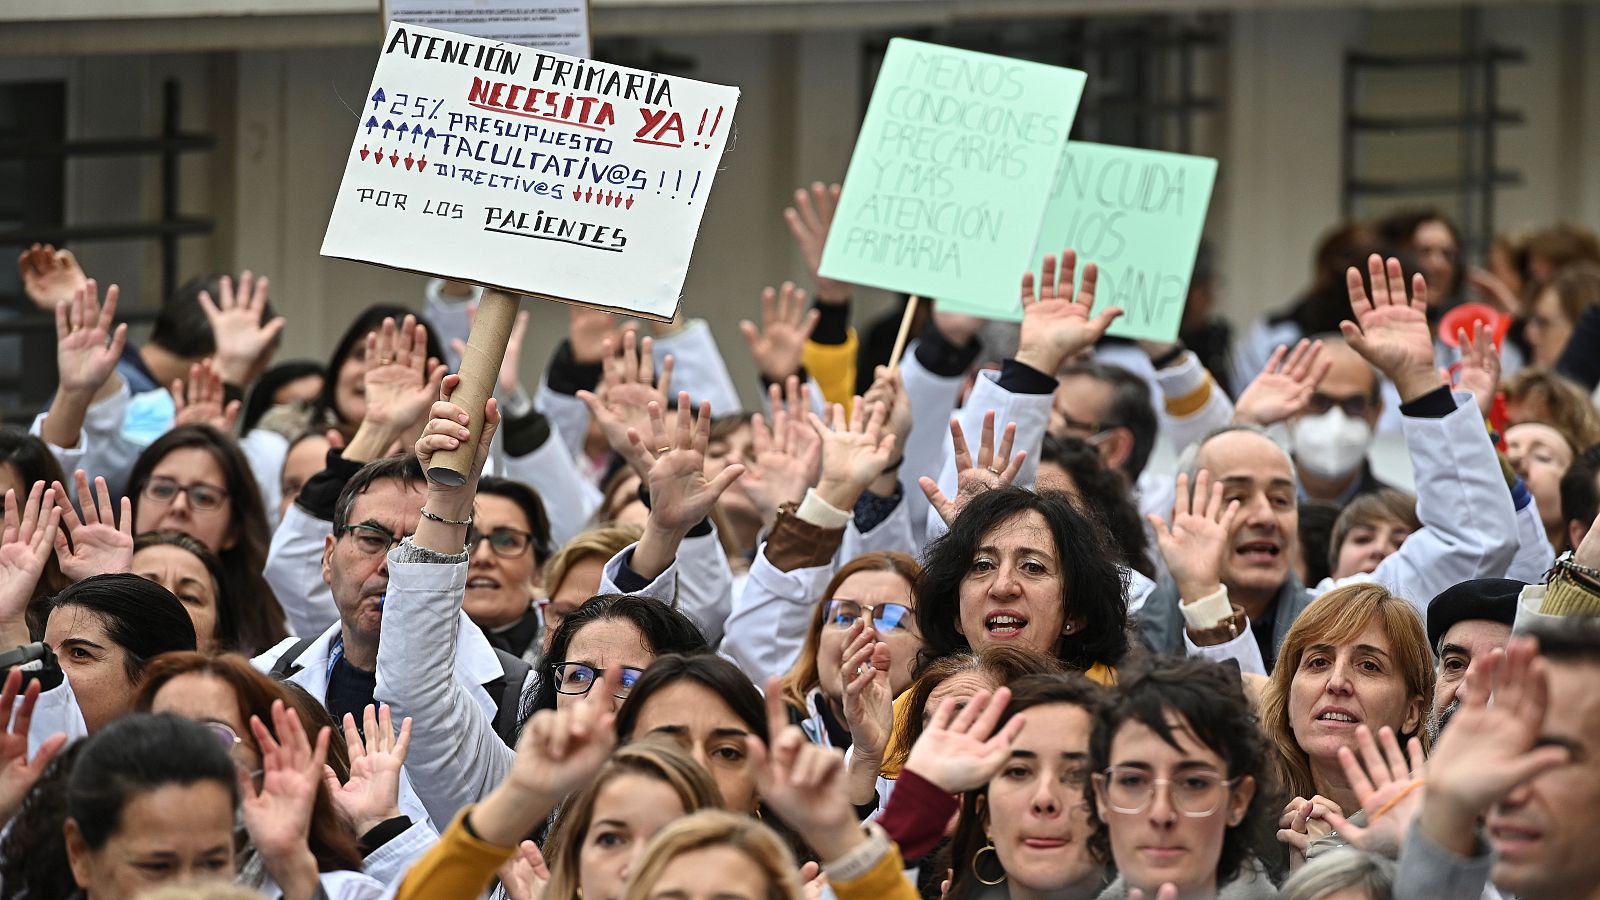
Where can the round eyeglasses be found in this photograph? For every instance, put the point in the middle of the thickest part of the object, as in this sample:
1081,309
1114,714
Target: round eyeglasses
1197,793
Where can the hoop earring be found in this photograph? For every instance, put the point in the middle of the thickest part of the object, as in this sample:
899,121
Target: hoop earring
989,847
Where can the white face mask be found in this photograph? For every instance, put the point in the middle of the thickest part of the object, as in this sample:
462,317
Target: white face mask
1331,445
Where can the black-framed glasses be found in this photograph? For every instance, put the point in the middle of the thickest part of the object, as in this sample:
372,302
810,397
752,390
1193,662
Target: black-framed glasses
578,679
885,616
1196,793
201,496
507,542
1356,407
371,539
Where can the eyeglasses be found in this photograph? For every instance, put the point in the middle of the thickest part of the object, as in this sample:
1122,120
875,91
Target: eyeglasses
1081,429
201,496
577,679
1355,407
508,542
885,616
371,539
225,735
1196,794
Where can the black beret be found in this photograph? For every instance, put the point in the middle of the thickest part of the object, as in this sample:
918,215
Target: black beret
1494,599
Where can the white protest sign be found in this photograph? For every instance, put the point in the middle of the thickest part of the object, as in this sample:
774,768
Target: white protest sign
529,171
558,25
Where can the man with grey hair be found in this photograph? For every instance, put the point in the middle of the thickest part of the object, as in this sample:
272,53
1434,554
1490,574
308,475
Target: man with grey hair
1229,546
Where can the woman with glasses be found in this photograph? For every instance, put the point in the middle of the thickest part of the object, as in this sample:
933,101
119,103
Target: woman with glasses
873,587
349,829
1358,655
195,480
1180,793
507,548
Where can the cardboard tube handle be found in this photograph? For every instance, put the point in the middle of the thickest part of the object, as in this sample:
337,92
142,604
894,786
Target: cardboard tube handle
905,332
480,368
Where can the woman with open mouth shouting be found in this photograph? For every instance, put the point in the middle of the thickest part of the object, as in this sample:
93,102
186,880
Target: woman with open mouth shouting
1026,570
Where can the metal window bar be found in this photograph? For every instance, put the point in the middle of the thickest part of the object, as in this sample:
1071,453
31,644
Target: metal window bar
1475,122
21,394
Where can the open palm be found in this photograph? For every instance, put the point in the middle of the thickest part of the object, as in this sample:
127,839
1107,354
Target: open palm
98,542
1391,330
960,750
88,345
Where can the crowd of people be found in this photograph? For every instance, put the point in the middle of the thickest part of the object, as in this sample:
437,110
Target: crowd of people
925,627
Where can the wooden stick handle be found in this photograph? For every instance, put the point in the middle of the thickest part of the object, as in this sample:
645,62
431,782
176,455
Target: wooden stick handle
905,332
480,368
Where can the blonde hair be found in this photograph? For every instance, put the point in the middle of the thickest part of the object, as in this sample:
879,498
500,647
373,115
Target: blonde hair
1566,406
217,889
803,675
659,758
603,542
717,828
1339,617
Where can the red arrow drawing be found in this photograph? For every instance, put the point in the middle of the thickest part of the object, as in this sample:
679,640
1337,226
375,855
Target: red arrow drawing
589,195
409,162
365,153
394,159
422,163
378,160
629,204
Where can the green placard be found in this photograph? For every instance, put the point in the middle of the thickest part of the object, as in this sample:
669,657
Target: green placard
951,173
1138,215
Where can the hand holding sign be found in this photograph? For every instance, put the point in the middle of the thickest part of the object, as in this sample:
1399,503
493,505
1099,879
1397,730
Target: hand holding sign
1057,325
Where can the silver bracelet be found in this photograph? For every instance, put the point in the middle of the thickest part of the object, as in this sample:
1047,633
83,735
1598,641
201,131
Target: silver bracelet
438,518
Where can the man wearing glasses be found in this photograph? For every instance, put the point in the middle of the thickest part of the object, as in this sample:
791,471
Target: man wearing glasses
1331,438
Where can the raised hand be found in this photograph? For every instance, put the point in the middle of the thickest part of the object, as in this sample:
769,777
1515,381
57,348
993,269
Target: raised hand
50,277
1387,784
371,796
680,495
889,391
787,456
244,342
202,401
1284,387
18,773
98,545
1391,330
855,451
975,475
868,701
959,750
510,380
587,330
401,380
779,344
627,389
1056,323
447,428
560,751
278,814
1479,369
1492,744
87,344
25,545
525,875
809,221
1195,543
803,783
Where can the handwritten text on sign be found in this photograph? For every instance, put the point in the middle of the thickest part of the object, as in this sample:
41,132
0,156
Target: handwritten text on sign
1138,215
535,172
951,173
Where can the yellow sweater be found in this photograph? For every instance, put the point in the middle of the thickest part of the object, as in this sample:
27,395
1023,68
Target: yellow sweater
460,865
833,366
884,881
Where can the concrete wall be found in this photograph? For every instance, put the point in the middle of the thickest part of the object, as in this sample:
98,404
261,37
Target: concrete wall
284,118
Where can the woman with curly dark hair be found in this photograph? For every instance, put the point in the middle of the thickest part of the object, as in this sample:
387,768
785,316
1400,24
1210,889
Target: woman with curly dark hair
1182,790
1027,570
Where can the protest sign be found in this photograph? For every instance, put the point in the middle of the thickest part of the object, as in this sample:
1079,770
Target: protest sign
530,171
558,25
951,173
1138,215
